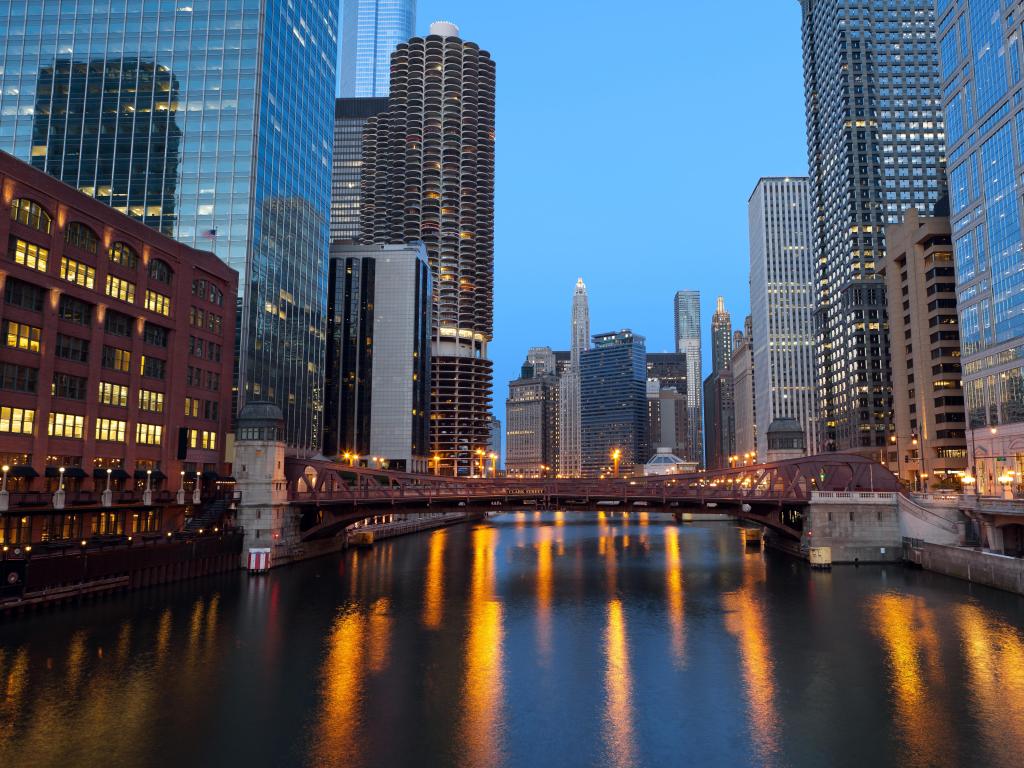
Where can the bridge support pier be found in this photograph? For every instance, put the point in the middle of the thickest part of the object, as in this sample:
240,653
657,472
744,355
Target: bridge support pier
859,527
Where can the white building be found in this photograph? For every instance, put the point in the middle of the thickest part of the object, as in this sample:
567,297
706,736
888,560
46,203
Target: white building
687,320
570,445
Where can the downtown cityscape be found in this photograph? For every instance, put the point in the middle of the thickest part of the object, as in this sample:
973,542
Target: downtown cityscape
436,383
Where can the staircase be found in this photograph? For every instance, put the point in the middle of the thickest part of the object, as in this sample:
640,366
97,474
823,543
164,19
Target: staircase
209,515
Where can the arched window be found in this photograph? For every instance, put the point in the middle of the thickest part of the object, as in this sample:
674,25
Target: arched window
159,270
123,254
32,214
80,236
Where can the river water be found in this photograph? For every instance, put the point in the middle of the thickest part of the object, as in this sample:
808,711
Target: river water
529,640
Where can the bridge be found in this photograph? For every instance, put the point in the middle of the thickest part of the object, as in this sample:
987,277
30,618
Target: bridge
328,496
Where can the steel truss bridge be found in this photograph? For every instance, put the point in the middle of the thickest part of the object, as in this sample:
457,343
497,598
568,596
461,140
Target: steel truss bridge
330,495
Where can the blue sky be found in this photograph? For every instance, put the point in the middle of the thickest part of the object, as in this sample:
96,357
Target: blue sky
630,136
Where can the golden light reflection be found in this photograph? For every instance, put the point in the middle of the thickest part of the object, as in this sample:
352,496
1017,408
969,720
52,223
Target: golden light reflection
338,738
674,589
994,658
483,691
379,640
433,590
745,620
618,716
12,688
907,629
545,589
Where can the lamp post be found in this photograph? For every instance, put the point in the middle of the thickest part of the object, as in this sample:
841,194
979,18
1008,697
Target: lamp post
59,496
181,489
196,490
480,455
147,494
616,458
895,440
5,497
107,498
494,463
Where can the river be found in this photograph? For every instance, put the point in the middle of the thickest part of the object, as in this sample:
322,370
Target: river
533,639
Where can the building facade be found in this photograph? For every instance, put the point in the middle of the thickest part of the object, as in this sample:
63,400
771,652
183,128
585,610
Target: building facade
980,49
875,147
440,189
210,122
378,355
782,305
371,30
670,369
928,443
666,418
744,410
719,420
570,456
350,116
721,337
687,334
115,354
613,397
531,418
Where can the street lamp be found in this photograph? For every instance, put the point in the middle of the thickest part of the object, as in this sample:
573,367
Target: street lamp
5,497
494,463
59,496
480,454
108,496
616,458
437,464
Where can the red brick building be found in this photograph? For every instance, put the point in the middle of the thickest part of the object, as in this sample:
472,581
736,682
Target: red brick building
116,352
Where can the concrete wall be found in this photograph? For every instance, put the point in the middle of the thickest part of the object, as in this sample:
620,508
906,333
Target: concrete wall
866,531
977,567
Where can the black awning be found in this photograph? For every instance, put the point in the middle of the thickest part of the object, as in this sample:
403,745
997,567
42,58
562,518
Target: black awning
190,475
76,473
119,474
228,479
140,474
158,475
50,472
209,474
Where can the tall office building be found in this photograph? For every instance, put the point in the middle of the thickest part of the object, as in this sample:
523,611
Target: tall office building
531,417
569,424
613,399
670,369
721,337
782,274
371,30
428,174
875,147
687,322
193,118
350,116
983,93
719,419
378,354
744,412
666,418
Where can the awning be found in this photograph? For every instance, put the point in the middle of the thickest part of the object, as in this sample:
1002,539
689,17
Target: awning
190,475
115,474
70,472
140,474
158,475
227,479
23,470
209,474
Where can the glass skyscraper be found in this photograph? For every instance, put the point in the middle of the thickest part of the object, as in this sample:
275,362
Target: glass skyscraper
687,322
350,116
370,32
983,95
211,122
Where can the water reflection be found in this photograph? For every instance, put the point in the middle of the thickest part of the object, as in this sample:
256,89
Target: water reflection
674,593
433,589
618,716
544,592
337,741
745,619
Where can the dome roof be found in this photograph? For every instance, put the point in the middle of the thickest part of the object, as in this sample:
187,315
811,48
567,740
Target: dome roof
664,458
260,412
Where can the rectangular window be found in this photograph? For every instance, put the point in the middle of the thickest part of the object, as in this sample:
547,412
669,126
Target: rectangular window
77,272
74,311
72,348
148,434
157,302
24,295
155,335
18,421
151,401
116,359
117,324
110,430
192,407
68,387
18,378
28,254
121,289
153,367
210,409
22,336
66,425
113,394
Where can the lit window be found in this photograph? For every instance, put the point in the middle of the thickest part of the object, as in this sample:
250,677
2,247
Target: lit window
111,430
151,401
31,214
113,394
18,421
148,434
22,336
66,425
28,254
120,289
157,302
77,272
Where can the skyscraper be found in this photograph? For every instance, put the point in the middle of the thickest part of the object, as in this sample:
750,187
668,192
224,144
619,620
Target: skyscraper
428,174
744,412
350,116
613,403
190,117
721,337
981,72
371,30
875,147
531,417
782,273
687,321
569,445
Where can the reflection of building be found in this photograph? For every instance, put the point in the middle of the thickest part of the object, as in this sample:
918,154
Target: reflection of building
928,403
613,400
350,116
115,349
980,55
440,189
236,130
782,307
569,419
687,322
875,147
531,417
370,32
110,128
743,392
378,354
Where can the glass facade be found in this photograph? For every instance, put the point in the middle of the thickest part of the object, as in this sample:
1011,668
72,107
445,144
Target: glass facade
350,116
687,322
189,118
371,30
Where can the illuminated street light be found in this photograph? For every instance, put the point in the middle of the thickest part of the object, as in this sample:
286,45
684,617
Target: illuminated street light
616,458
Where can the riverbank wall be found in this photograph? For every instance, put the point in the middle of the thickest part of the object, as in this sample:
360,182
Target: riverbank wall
991,570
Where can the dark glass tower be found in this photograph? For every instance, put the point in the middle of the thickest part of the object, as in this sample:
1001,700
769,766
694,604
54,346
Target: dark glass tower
350,116
211,122
428,174
875,145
